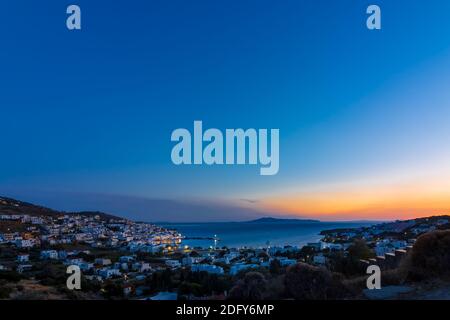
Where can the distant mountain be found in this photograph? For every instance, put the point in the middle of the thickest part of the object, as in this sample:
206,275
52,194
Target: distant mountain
278,220
11,206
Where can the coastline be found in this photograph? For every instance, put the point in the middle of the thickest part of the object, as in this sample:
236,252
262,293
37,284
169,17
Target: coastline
256,235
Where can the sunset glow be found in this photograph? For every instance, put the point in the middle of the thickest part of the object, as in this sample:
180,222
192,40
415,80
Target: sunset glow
363,204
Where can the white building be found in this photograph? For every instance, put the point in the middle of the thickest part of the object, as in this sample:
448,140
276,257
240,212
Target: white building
334,246
74,261
86,266
235,269
319,259
173,263
108,273
141,266
210,268
23,258
126,259
22,243
36,220
24,267
287,262
49,254
103,262
187,261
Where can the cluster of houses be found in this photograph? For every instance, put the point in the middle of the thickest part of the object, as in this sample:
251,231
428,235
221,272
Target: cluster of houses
390,242
234,260
91,230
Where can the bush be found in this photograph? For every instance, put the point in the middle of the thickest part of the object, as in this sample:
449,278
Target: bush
251,287
360,250
112,290
5,292
275,288
306,282
348,266
393,277
190,288
52,275
203,283
430,256
275,267
10,276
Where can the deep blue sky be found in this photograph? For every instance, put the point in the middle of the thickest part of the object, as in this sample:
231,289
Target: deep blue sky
91,112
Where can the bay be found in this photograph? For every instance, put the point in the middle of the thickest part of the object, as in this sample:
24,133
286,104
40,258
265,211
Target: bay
254,234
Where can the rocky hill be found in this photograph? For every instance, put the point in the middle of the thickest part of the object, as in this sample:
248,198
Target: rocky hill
10,206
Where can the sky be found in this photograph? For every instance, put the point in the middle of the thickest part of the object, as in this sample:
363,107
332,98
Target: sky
86,115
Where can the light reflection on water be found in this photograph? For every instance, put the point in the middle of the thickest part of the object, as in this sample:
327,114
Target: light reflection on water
239,234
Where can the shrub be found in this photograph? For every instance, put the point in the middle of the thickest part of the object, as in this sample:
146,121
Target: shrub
5,292
306,282
190,288
393,277
10,276
251,287
360,250
430,256
275,267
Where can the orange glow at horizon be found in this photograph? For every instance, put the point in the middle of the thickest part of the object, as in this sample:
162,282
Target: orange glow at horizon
381,202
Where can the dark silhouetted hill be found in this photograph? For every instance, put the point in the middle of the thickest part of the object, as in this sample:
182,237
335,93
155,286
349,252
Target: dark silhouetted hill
278,220
10,206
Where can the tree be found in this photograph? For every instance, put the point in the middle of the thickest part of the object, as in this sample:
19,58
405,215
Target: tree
194,254
347,265
190,288
430,256
161,280
112,289
5,292
10,276
306,282
53,274
307,251
275,266
359,250
251,287
263,255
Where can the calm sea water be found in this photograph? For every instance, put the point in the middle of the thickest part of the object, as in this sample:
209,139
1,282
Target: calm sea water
240,234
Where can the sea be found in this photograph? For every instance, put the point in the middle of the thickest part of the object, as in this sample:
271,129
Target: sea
256,234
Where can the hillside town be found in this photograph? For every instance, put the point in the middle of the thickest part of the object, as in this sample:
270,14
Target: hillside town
135,260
